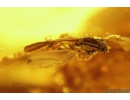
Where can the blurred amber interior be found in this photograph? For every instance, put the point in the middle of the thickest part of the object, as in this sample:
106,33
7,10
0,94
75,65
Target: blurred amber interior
22,26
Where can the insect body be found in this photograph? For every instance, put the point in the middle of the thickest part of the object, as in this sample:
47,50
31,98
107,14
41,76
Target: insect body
87,44
60,51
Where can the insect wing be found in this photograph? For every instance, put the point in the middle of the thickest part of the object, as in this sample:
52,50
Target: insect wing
34,46
50,58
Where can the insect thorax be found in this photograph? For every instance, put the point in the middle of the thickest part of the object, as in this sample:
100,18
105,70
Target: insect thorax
91,45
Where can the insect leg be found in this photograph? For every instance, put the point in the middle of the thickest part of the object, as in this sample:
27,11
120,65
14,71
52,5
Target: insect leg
85,55
117,37
123,41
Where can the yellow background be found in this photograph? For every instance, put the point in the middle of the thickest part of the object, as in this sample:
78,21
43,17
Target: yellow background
22,26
